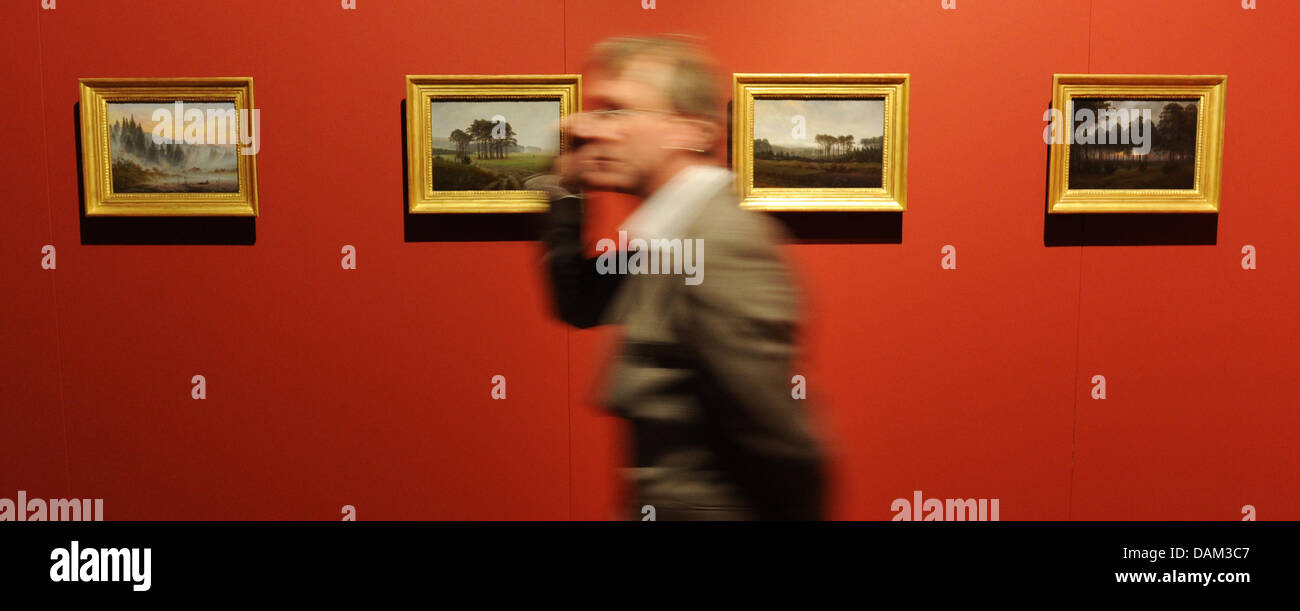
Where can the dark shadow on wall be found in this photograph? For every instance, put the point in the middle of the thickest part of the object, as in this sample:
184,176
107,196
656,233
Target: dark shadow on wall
1131,229
1124,228
154,230
843,227
829,227
461,227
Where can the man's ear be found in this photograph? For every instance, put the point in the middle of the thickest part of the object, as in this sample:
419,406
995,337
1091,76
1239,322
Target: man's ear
695,134
710,131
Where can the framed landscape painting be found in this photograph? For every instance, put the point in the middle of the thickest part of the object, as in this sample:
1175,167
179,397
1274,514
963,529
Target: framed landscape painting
820,141
1135,143
472,141
169,147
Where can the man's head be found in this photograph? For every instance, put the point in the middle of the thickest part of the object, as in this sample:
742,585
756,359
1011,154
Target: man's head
652,109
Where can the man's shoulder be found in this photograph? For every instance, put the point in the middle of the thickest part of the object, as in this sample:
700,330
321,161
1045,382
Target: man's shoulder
746,272
729,228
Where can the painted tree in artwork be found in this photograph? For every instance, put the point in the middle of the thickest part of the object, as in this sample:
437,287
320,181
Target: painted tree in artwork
1086,130
824,141
1176,130
462,141
481,132
484,134
508,139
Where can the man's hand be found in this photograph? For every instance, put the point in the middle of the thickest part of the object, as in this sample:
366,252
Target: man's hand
552,184
565,177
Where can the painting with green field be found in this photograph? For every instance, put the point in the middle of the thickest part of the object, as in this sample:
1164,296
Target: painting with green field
490,145
147,159
1133,144
818,142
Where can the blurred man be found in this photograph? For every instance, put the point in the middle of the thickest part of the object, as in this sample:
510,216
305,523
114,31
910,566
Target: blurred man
703,369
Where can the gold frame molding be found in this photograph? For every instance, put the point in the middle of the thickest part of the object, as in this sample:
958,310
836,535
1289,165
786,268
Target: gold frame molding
892,88
1209,90
422,90
101,200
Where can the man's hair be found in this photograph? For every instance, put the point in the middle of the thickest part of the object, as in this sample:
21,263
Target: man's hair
692,88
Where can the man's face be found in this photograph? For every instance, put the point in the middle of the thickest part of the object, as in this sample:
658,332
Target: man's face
620,152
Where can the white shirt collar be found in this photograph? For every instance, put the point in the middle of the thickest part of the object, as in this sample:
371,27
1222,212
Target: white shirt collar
670,209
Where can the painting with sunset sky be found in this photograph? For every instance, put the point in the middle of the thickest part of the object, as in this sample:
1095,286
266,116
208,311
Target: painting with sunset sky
143,163
820,143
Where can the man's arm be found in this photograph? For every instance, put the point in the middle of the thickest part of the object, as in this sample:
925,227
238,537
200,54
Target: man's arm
581,294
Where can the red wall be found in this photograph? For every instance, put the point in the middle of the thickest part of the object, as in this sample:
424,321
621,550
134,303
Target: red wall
371,387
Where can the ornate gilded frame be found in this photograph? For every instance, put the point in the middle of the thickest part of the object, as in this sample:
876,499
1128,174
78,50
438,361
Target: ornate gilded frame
422,90
101,200
1203,197
892,88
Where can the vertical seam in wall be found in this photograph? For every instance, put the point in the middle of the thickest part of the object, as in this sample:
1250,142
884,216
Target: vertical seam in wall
54,296
1078,326
1074,423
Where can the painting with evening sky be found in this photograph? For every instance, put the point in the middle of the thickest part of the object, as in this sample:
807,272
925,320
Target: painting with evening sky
825,143
1157,152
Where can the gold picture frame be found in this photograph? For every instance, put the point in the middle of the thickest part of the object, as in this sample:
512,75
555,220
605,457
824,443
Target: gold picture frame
145,183
423,91
891,193
1160,183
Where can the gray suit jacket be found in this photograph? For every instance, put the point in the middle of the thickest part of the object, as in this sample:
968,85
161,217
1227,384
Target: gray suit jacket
702,372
